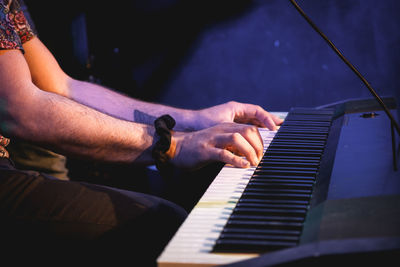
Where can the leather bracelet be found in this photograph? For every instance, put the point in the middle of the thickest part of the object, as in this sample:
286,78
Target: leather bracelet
163,126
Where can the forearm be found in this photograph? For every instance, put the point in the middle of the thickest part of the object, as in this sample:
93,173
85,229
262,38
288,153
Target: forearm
70,128
124,107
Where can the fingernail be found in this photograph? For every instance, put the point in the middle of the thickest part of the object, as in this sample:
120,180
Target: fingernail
245,163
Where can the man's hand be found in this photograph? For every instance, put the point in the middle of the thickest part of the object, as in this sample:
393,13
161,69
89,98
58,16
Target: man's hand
236,112
226,142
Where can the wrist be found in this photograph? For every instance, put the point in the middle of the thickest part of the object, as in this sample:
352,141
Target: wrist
170,153
186,121
165,145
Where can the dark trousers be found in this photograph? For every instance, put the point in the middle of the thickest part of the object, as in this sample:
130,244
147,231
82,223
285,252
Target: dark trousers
75,220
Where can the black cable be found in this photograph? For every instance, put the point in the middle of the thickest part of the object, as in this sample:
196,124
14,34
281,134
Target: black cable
373,92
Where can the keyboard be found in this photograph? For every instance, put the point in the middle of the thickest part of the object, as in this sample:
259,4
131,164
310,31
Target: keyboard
314,168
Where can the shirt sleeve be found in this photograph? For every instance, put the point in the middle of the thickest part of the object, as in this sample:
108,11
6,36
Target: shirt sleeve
14,27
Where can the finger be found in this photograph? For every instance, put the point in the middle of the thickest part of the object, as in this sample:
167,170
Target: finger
253,137
258,116
237,144
267,119
270,123
276,119
223,155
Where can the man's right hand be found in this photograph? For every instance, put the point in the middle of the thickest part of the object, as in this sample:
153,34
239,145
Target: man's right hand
237,144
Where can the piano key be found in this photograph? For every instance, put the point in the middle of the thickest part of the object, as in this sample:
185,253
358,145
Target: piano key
298,142
261,231
263,210
258,177
250,245
308,111
322,131
309,123
265,218
284,172
250,236
280,163
267,167
271,206
289,159
279,184
301,110
273,201
308,129
309,118
294,152
293,137
282,225
282,196
277,145
279,191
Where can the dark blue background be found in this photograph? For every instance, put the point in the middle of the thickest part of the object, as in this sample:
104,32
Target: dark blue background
270,56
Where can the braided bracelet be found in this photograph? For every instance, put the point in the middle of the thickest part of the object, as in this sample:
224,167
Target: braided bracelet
163,126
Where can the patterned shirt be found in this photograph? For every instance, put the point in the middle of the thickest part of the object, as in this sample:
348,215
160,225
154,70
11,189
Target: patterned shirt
14,31
14,27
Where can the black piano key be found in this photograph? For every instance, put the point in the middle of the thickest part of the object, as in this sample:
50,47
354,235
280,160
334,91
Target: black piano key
251,236
298,143
309,123
273,177
308,114
226,237
257,231
262,210
285,172
278,145
310,111
291,153
267,167
250,200
260,239
289,159
271,180
275,181
308,129
277,190
308,118
280,184
309,151
250,245
281,196
316,117
282,134
294,152
259,224
272,206
296,136
306,132
267,218
280,163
